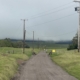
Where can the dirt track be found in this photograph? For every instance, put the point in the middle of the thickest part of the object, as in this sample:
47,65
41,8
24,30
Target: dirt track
40,67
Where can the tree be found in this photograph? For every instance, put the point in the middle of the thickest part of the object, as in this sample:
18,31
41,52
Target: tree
74,44
6,43
19,44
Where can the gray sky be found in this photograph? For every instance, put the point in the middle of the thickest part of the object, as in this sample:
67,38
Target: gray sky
49,19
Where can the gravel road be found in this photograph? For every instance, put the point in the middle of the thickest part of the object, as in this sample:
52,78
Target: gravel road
40,67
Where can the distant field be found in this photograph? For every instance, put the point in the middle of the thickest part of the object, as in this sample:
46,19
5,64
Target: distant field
48,45
59,46
9,61
68,60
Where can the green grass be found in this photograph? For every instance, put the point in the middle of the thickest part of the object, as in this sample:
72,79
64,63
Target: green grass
8,61
29,52
8,67
46,44
68,60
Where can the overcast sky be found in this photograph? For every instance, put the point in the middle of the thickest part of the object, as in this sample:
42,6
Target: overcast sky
49,19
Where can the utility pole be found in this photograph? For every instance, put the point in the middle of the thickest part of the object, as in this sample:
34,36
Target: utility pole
24,31
33,41
38,43
78,10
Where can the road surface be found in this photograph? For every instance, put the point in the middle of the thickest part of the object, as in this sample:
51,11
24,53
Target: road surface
40,67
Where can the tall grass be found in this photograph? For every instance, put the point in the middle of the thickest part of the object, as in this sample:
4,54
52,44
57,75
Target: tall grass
8,67
8,61
68,60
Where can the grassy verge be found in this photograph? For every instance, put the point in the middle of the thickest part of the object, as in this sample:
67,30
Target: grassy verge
8,61
29,52
68,60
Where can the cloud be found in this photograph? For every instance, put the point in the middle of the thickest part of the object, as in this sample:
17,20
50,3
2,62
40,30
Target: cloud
11,11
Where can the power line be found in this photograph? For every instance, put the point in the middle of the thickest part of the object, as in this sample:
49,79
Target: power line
68,33
60,34
54,20
51,12
53,8
48,22
65,33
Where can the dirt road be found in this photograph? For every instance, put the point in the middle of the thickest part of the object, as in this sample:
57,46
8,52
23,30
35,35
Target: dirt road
40,67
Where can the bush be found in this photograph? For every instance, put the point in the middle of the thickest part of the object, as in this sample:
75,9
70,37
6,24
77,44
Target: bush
72,46
8,43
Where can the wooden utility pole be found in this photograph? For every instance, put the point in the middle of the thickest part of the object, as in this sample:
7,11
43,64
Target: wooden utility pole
78,10
38,43
24,31
33,41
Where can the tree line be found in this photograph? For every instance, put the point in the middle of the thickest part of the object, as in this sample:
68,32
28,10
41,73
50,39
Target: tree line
74,44
8,43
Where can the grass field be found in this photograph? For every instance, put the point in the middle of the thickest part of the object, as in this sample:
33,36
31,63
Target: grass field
48,45
68,60
9,60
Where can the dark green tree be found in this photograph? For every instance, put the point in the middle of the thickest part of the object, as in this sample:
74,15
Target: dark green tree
74,44
6,43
